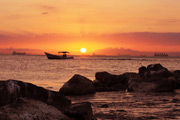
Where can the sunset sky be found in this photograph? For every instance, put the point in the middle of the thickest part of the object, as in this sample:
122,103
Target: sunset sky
53,25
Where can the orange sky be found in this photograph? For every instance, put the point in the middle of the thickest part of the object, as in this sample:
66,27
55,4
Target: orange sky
52,25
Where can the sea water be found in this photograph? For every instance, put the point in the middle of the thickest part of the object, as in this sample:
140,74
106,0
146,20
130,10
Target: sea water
52,74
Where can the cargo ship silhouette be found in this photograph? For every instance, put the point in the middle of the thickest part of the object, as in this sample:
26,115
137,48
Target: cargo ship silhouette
160,54
18,53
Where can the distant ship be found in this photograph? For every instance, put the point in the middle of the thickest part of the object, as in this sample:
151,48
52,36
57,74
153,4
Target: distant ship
160,55
18,53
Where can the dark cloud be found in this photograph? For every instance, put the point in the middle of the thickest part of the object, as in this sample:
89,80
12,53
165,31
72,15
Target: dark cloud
45,13
138,40
148,38
48,7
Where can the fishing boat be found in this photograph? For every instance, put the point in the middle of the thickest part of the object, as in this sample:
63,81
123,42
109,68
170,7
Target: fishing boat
63,56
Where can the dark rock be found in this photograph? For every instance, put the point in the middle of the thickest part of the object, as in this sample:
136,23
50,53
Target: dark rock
178,83
80,111
139,85
11,90
121,111
104,77
29,109
177,75
177,72
20,100
96,83
153,85
108,82
104,106
175,100
154,78
110,79
156,67
166,84
78,85
154,70
142,70
47,96
135,85
130,75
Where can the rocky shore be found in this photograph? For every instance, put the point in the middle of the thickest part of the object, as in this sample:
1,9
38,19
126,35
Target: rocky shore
153,78
20,100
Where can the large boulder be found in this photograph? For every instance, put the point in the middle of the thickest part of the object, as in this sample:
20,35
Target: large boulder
80,111
177,75
11,90
135,85
142,70
152,85
154,70
105,82
154,78
177,72
109,82
78,85
29,109
166,84
104,77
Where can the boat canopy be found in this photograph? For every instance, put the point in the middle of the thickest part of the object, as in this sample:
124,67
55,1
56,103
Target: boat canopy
63,52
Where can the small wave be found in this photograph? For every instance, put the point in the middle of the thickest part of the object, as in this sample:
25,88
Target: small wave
108,59
117,59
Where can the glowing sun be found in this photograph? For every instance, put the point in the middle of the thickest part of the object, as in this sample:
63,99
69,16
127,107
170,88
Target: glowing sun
83,50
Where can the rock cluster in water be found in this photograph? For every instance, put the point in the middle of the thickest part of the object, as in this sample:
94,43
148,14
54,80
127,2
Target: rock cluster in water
153,78
20,100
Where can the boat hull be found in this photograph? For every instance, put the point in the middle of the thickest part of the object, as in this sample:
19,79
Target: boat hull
51,56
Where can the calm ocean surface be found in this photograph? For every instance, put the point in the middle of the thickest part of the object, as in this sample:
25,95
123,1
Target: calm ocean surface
52,74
